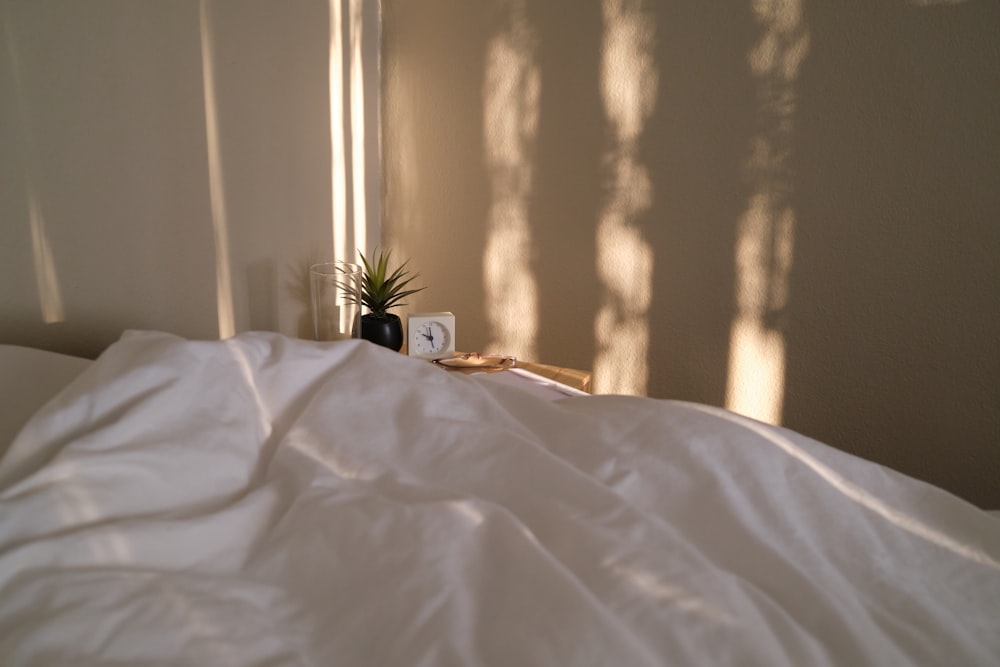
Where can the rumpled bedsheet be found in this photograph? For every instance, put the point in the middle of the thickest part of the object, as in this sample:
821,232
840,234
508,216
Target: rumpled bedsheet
269,501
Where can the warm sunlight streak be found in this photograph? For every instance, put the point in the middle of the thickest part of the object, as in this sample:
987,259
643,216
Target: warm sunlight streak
757,351
338,156
348,164
246,371
468,510
217,195
857,494
323,451
624,258
511,90
651,584
46,279
358,176
78,508
49,294
765,236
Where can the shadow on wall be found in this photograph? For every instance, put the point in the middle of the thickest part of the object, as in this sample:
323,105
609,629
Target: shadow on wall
437,189
85,166
697,147
894,320
166,165
814,183
567,202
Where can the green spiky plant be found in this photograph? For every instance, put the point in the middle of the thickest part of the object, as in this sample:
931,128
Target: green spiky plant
381,290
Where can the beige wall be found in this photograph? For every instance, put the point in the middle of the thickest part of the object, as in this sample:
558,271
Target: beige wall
617,186
788,208
167,164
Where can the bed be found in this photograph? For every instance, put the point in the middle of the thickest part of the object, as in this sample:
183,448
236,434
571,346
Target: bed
269,501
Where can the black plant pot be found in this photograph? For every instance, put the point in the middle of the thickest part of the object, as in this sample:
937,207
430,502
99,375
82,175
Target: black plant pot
385,331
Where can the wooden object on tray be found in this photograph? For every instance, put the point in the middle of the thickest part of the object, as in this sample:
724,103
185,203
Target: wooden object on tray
571,377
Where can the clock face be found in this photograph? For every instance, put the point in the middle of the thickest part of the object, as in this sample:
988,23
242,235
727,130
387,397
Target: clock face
430,338
431,335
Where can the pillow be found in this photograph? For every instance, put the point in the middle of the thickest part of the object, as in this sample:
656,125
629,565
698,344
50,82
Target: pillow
29,378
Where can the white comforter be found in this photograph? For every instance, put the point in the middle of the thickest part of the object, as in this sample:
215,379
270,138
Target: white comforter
266,501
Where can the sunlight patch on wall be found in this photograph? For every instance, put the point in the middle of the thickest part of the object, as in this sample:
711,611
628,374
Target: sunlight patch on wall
216,186
756,378
358,178
510,108
765,235
49,294
348,131
629,82
46,278
338,149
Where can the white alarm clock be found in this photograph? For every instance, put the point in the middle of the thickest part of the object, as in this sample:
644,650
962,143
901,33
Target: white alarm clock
430,335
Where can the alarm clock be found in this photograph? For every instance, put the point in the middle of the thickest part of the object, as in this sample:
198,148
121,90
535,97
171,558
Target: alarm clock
430,335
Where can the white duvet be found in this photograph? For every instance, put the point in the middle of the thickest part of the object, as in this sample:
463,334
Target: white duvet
266,501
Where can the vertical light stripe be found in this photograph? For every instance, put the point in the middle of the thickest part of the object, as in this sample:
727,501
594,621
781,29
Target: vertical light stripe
50,299
629,82
223,284
49,294
338,158
359,179
765,236
510,109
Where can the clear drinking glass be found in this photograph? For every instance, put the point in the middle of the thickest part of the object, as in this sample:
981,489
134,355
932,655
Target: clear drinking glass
336,300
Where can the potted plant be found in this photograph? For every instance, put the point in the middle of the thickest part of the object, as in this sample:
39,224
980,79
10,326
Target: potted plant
381,290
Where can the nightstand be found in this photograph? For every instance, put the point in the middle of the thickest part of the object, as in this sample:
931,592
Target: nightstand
571,377
568,376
